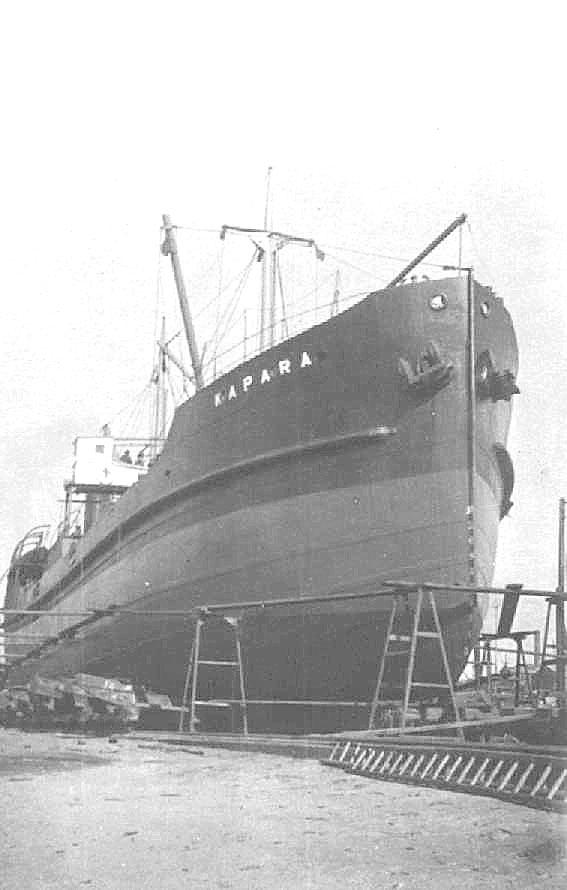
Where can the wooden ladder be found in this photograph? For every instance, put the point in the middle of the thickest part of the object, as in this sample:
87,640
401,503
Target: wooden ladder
399,602
520,774
190,690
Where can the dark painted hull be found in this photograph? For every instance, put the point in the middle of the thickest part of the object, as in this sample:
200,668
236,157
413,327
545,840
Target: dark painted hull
308,470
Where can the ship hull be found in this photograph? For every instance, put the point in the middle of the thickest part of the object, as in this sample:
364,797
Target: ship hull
330,477
324,652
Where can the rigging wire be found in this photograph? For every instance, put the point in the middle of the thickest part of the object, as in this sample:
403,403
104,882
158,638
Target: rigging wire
285,328
216,355
476,251
309,293
367,272
196,229
212,302
326,306
379,256
128,423
194,283
174,394
219,293
137,423
127,407
159,304
217,337
136,403
223,321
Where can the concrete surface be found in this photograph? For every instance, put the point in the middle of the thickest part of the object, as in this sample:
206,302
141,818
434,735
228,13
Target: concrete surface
137,813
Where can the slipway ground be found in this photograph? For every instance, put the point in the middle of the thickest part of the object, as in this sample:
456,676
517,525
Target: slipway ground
137,812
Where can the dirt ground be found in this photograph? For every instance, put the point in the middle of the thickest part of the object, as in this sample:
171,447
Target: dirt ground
134,813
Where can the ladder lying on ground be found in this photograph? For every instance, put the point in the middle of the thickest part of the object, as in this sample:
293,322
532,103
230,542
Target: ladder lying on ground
534,777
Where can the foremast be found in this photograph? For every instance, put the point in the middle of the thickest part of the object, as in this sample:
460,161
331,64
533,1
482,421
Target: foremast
169,248
269,244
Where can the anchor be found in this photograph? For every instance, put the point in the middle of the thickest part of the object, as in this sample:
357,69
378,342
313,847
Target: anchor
431,373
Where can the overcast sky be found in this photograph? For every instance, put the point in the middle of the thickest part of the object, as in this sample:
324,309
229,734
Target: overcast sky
381,127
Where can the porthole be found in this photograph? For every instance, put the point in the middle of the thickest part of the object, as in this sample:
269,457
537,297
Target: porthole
485,309
438,302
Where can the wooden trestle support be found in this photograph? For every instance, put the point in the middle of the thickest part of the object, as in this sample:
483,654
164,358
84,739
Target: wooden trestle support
191,699
399,604
191,688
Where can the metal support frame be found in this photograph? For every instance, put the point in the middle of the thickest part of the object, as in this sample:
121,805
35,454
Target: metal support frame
521,664
192,675
559,658
399,601
485,664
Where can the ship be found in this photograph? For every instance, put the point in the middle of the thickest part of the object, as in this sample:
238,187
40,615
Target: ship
368,447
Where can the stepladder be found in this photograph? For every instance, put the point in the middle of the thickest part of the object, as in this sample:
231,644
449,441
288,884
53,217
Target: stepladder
231,662
405,631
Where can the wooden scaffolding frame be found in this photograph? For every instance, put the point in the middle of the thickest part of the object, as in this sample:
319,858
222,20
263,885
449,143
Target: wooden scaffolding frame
192,676
191,700
400,603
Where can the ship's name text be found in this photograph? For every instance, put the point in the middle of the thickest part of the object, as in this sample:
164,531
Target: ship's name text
265,375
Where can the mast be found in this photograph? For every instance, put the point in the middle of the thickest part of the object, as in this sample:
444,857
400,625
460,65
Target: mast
273,274
267,297
264,298
269,244
179,365
169,247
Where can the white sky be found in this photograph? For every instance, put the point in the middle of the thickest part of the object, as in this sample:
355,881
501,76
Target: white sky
381,127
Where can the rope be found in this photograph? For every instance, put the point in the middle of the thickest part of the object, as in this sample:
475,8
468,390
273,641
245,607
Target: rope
195,229
218,305
128,406
477,253
217,335
196,282
159,305
379,256
174,395
342,301
214,299
357,268
285,329
308,293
